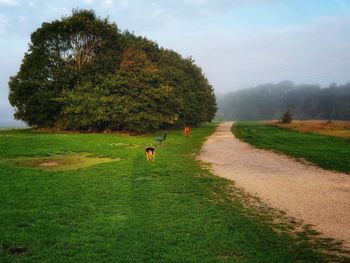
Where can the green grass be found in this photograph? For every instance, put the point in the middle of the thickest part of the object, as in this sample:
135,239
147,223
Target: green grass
128,210
325,151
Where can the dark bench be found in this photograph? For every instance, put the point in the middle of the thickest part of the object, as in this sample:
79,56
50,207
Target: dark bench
160,138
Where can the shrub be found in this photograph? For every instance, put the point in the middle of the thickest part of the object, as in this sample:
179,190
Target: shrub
287,117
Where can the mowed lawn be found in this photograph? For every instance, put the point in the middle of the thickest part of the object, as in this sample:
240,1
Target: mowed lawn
328,152
125,209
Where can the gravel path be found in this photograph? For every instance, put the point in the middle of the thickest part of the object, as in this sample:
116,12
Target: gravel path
306,192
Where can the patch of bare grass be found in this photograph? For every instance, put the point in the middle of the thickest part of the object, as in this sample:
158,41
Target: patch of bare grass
62,162
331,128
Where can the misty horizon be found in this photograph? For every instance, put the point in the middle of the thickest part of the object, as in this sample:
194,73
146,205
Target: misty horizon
8,120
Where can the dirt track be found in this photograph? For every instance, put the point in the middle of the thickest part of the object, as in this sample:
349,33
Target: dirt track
306,192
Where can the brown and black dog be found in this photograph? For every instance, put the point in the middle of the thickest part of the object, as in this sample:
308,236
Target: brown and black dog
150,153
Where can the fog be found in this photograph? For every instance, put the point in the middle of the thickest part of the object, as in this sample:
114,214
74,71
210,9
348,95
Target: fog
271,101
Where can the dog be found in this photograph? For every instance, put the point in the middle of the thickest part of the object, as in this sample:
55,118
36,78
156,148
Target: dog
150,153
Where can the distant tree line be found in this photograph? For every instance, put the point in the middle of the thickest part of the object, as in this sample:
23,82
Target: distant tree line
270,101
82,73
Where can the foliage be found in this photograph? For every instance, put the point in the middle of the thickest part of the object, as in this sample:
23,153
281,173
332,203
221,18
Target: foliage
83,73
128,210
287,117
325,151
269,101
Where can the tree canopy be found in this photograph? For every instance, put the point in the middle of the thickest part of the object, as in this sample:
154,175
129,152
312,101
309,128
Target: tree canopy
82,73
270,101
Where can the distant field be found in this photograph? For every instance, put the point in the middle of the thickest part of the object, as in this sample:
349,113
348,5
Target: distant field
332,128
12,125
329,152
94,198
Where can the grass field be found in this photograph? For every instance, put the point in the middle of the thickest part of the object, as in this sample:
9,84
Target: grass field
333,128
61,203
329,152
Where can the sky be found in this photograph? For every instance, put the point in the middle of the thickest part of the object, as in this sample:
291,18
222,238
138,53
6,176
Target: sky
237,43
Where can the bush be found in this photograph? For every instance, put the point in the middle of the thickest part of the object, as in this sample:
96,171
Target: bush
287,117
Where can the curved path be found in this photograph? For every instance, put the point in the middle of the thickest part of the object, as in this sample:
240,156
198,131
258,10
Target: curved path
306,192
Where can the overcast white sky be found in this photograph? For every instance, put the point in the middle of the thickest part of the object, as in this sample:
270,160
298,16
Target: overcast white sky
238,43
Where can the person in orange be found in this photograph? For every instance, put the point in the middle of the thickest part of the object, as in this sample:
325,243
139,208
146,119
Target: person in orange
187,131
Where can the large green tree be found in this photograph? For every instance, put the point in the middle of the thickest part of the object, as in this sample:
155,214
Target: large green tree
61,54
82,73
